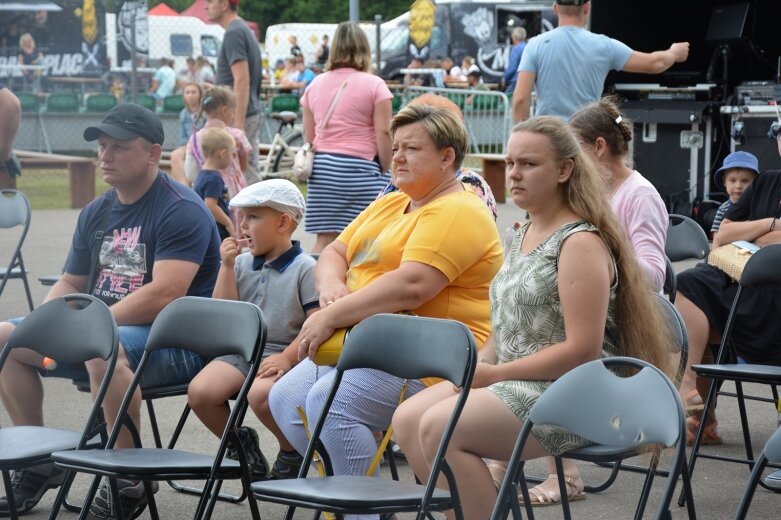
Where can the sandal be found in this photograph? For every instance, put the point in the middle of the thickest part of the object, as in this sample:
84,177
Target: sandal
541,497
710,435
692,403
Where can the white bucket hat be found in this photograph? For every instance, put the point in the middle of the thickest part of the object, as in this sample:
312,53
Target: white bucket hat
279,194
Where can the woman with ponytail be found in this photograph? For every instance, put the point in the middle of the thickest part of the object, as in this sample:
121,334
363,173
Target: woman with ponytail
570,291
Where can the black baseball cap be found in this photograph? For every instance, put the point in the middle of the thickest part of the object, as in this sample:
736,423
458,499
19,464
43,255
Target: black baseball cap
571,2
128,121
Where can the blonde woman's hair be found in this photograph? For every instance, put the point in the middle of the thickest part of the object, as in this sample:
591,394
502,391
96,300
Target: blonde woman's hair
213,140
444,127
643,330
350,48
26,37
214,98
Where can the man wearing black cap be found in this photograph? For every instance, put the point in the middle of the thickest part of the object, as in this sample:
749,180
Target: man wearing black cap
139,246
568,65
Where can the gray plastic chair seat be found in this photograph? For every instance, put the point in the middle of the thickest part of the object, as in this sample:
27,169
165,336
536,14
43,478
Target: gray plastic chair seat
767,374
137,463
601,453
346,492
26,444
14,273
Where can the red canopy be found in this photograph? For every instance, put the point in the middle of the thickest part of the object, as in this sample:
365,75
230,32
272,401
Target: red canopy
198,10
162,9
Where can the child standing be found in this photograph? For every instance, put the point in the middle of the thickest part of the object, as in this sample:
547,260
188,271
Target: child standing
279,277
190,120
217,147
735,175
219,105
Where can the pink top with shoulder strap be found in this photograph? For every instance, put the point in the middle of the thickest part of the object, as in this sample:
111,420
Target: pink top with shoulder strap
351,128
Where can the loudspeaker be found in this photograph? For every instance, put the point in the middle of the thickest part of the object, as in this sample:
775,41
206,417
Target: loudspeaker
756,141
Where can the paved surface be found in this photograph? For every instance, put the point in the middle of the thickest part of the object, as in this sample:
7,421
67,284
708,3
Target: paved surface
717,485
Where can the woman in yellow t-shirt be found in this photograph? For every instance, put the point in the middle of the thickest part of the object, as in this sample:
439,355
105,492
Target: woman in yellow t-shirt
430,248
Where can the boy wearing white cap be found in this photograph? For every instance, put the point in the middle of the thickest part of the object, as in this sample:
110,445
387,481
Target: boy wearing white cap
277,276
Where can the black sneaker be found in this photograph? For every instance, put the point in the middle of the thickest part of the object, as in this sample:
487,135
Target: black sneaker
287,465
131,495
30,484
256,461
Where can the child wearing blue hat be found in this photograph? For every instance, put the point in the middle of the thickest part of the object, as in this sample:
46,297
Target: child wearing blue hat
735,175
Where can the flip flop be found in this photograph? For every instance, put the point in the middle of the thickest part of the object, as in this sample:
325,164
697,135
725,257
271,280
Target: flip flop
692,403
540,497
710,435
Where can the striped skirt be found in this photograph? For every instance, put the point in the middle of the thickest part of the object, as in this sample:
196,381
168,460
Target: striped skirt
341,186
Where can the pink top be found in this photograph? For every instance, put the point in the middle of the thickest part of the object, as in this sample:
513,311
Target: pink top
232,175
643,217
350,130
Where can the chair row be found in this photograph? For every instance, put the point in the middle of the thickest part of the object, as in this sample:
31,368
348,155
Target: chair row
97,102
422,347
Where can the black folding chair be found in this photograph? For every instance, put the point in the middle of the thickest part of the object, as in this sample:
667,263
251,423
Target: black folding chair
761,270
771,453
680,345
685,239
620,415
56,329
408,347
14,212
210,328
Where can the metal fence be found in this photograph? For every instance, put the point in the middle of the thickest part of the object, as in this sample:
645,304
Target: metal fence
487,115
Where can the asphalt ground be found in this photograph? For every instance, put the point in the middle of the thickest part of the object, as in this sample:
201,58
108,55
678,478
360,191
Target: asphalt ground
718,486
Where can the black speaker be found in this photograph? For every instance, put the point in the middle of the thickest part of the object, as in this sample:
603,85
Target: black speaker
756,141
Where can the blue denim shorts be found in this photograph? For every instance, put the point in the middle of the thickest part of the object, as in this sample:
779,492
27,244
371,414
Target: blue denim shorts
165,367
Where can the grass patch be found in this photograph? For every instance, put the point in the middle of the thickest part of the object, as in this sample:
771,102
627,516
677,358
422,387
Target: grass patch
49,189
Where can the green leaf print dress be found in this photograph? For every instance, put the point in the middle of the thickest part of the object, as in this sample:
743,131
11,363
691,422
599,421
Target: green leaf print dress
526,317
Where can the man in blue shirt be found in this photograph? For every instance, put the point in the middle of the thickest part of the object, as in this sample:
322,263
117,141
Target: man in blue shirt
567,66
518,38
144,243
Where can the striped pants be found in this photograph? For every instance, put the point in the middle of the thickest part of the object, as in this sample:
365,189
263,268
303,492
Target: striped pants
363,405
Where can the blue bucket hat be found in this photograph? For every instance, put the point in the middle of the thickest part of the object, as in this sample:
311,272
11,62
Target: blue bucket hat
744,160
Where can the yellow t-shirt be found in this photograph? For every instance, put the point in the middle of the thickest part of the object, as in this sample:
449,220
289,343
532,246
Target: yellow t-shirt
454,234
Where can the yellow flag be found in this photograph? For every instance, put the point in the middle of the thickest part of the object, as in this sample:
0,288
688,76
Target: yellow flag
89,22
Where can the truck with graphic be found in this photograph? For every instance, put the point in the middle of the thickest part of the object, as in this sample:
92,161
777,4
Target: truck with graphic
457,28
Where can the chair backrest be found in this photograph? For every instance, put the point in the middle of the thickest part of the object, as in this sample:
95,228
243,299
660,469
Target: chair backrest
676,323
685,239
100,102
147,101
763,267
70,329
411,347
62,102
773,447
285,102
627,412
14,209
28,101
209,327
670,282
173,103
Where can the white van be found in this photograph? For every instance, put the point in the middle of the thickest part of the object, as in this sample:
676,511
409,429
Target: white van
174,37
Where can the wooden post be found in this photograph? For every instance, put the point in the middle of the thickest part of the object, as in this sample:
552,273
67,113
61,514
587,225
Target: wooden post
82,183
